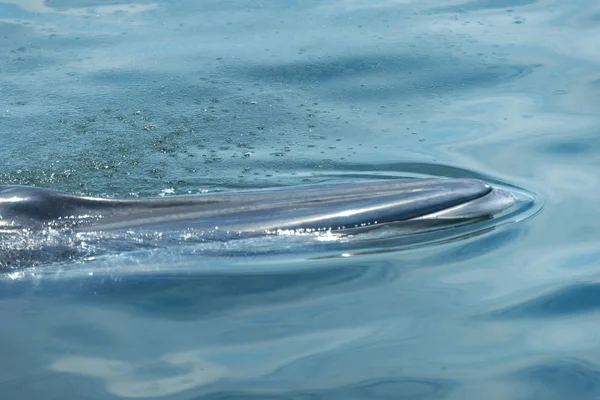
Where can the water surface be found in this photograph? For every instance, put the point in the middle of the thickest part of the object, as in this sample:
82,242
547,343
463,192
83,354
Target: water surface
141,98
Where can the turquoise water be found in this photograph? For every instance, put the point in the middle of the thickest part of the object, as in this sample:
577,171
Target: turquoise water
140,98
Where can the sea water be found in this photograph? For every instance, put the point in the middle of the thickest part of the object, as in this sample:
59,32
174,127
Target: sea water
158,98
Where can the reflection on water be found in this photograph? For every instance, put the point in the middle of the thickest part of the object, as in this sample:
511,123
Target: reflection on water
138,98
196,296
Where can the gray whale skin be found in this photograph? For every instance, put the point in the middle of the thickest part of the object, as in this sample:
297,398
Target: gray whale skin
317,207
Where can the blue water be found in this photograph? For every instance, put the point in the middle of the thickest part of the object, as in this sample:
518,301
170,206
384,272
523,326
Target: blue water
141,98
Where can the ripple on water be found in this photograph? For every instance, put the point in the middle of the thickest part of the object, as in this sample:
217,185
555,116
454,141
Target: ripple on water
482,5
574,299
561,379
383,388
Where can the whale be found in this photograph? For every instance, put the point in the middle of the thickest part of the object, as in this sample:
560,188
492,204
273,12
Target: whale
340,207
43,226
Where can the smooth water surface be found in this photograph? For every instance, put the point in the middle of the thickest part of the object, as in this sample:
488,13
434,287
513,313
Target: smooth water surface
142,98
